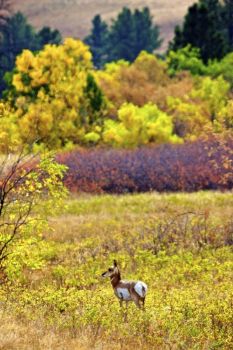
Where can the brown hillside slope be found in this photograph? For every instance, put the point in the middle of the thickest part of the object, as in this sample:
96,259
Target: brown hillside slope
73,17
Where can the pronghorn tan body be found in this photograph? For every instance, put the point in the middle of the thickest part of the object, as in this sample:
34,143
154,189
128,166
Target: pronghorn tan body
126,290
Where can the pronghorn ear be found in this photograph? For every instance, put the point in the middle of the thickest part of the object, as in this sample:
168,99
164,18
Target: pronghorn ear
114,263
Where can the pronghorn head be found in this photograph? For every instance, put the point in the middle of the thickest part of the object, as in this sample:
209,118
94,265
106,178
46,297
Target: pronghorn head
112,270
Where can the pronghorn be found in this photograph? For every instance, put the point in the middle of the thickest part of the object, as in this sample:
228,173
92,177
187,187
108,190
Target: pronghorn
126,290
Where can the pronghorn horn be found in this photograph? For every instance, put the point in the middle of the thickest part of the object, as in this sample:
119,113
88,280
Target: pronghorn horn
115,263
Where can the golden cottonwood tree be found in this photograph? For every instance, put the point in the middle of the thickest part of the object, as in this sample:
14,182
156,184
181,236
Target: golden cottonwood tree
49,93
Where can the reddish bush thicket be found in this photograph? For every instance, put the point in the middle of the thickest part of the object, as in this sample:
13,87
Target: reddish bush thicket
190,167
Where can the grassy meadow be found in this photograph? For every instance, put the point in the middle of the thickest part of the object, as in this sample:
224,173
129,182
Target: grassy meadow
179,244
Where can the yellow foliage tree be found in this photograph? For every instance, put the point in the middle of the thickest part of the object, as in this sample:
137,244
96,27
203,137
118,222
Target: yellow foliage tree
49,93
139,126
224,118
135,83
154,68
202,109
9,132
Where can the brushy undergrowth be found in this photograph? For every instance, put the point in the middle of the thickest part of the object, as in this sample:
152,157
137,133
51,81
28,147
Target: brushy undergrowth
179,244
200,165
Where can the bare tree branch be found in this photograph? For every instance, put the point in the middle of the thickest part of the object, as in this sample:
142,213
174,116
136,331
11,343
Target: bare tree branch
13,177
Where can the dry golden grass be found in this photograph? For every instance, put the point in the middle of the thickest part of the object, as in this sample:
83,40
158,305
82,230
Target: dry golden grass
18,335
34,336
73,17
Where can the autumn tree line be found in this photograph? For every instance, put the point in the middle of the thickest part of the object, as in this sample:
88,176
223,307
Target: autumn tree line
111,88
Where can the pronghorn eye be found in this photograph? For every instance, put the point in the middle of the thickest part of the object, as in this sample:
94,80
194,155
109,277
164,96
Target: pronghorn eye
110,269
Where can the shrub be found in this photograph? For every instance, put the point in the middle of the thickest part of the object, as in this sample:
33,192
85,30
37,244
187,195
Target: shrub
200,165
198,111
188,58
139,126
222,68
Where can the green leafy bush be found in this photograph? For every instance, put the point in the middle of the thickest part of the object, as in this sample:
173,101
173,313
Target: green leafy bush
139,126
187,58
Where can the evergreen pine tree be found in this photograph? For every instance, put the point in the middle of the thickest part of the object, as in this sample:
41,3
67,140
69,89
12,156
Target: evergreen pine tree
93,104
204,28
131,33
97,41
122,37
48,36
146,34
228,16
16,34
93,95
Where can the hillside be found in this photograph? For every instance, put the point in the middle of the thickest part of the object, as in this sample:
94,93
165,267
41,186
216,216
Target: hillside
73,17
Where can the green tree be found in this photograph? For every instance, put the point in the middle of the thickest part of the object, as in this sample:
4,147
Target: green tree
92,109
93,96
222,68
146,34
187,58
97,41
48,36
121,37
228,12
204,28
16,35
130,33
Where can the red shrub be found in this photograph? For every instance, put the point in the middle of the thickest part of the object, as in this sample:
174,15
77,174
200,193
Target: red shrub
190,167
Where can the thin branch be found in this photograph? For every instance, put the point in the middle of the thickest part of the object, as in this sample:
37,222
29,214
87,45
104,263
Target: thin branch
22,220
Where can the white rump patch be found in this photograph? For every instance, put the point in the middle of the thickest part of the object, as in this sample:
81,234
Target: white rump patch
123,293
141,289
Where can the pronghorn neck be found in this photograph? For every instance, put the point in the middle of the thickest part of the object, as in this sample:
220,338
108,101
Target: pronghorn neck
115,279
